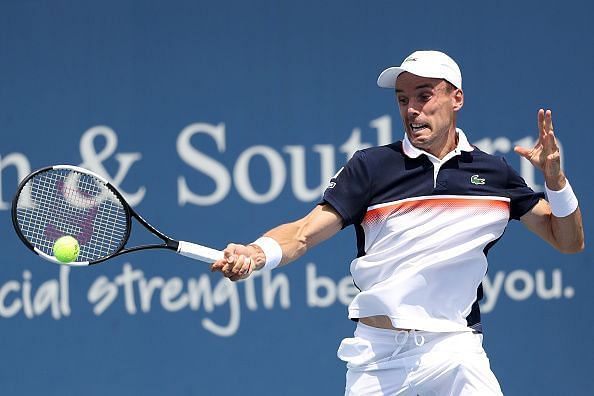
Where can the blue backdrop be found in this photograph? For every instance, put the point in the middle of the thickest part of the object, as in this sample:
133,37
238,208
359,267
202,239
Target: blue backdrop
222,119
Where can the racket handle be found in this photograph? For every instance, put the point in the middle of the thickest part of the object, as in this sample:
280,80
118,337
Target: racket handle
199,252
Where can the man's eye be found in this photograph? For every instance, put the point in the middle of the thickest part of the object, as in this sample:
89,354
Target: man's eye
425,98
402,101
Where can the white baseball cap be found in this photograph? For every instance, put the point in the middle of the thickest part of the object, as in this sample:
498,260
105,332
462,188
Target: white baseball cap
431,64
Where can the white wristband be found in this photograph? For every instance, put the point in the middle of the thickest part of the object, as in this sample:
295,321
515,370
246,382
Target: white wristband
562,202
272,251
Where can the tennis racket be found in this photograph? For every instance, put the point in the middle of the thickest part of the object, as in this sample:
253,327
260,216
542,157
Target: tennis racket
68,200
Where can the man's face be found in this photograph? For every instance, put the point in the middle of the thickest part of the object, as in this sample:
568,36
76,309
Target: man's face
428,112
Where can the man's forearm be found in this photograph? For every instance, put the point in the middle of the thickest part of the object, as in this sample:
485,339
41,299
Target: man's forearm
568,232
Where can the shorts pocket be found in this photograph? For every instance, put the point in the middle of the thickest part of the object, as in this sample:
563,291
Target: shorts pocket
358,352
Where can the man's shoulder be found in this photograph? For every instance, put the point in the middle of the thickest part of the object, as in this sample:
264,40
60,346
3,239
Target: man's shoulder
391,150
482,155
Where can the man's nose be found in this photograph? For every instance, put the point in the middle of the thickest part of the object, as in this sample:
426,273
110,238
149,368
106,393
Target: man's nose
412,111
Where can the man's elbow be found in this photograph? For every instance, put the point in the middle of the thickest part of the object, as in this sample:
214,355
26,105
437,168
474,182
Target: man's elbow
580,247
573,248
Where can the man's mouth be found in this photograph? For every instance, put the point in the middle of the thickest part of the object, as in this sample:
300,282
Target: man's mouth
416,127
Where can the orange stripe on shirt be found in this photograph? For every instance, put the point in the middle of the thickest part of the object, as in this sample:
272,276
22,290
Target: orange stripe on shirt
400,208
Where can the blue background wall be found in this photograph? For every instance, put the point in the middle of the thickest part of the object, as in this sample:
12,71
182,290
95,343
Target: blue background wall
275,78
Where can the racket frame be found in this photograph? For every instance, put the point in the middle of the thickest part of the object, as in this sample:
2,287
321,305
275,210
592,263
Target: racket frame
169,243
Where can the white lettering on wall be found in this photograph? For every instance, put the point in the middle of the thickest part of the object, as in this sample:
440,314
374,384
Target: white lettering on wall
220,300
33,300
241,174
277,166
323,292
173,296
203,163
299,170
520,285
295,169
23,168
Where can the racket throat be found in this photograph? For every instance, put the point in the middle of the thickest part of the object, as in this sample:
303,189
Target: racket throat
172,244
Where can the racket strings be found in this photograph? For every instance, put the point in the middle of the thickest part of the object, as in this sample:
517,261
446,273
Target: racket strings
66,202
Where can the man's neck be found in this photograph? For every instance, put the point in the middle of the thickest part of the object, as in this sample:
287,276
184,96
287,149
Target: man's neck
448,147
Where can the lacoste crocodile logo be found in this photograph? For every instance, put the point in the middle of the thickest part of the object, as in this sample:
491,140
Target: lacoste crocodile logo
475,179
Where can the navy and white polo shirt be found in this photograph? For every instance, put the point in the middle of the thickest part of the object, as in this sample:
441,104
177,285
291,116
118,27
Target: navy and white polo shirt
424,227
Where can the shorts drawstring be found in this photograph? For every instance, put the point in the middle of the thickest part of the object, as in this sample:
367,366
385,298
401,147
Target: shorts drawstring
419,339
400,341
402,336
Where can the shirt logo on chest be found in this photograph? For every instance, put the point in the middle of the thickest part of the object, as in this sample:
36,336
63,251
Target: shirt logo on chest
475,179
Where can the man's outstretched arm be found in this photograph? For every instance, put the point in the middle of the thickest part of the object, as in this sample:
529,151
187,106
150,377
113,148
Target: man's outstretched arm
294,239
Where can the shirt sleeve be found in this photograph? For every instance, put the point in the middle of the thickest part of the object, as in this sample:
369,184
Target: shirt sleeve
349,190
523,198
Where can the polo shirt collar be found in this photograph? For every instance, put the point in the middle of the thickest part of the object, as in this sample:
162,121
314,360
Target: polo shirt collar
413,152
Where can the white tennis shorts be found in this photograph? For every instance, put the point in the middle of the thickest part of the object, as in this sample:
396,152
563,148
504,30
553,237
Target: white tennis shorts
390,362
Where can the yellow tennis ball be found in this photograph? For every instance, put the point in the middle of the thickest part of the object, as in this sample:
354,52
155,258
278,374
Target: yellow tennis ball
66,249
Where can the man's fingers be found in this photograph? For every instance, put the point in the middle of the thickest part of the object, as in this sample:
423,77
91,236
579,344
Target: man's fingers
238,264
550,141
218,265
524,152
226,264
242,265
235,264
545,122
541,123
241,269
548,121
229,252
246,267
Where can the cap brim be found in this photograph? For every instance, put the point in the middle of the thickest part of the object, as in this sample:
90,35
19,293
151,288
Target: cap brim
387,78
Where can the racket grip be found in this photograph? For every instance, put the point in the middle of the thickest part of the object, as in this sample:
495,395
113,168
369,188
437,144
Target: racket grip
199,252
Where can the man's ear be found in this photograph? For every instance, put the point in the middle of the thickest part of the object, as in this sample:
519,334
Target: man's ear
458,98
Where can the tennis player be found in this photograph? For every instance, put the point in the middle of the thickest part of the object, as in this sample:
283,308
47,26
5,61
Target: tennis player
426,210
